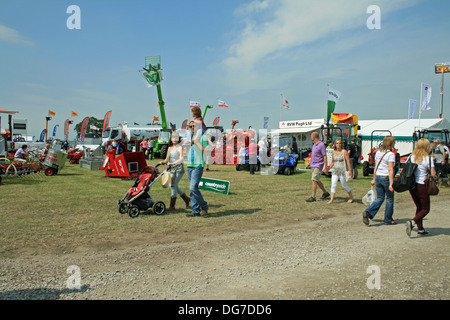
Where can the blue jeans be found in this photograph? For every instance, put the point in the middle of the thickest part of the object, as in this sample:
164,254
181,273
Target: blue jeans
382,188
194,175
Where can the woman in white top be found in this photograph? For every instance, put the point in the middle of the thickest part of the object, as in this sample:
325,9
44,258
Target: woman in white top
421,156
383,180
340,162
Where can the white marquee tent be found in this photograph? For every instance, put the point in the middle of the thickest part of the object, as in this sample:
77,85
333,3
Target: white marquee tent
401,129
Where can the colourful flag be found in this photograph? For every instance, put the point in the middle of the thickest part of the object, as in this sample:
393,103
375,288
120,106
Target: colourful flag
106,121
222,104
333,97
84,124
285,103
194,104
426,97
66,129
412,108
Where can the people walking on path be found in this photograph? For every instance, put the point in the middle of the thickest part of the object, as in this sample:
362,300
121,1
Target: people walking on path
421,156
340,164
195,165
174,159
318,165
383,180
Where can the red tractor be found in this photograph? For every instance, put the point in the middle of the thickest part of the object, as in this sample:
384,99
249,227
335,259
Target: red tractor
369,166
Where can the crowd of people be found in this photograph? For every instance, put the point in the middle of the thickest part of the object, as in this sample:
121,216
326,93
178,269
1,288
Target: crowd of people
432,159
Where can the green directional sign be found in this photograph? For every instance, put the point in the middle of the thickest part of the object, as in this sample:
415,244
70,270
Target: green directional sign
214,185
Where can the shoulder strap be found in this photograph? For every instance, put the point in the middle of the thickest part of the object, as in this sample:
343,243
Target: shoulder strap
375,172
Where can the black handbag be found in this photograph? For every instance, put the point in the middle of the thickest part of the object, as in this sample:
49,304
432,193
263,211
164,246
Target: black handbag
405,178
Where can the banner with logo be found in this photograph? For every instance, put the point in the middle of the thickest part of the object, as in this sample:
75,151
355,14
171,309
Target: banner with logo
214,185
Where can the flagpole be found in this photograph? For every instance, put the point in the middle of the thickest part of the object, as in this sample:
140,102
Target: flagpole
421,102
281,104
326,100
409,109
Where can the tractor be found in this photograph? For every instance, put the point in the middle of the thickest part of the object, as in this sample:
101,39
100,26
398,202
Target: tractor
369,165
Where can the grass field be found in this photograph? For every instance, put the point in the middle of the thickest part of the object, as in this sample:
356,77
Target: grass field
78,208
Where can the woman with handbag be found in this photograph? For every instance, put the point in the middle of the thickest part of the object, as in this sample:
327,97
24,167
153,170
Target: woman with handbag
174,159
420,194
383,180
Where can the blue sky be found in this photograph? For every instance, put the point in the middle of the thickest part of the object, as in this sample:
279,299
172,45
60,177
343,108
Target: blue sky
246,53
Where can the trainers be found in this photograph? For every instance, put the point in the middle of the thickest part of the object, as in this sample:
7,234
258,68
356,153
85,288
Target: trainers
409,227
390,223
422,232
365,217
204,212
325,195
311,199
193,214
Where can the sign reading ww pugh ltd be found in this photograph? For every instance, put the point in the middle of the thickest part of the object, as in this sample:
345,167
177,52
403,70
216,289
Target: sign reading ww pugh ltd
214,185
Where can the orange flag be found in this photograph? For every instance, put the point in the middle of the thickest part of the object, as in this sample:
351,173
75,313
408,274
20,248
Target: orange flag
74,114
51,113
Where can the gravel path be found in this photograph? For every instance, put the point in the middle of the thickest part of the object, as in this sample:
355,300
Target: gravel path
318,259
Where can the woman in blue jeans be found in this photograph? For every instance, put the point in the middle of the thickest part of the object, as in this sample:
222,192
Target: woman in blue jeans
383,180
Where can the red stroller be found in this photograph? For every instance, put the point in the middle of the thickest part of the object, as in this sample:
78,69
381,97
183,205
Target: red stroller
138,198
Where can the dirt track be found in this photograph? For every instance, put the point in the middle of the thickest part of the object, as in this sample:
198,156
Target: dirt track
311,259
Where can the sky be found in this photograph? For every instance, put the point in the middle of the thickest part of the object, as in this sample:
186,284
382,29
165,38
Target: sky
246,53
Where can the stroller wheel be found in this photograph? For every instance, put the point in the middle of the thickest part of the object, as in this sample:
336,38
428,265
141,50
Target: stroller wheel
159,208
122,208
133,211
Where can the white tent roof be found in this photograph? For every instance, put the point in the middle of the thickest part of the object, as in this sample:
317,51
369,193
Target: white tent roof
400,127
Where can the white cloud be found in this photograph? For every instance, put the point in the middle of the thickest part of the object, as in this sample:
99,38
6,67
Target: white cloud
10,35
274,28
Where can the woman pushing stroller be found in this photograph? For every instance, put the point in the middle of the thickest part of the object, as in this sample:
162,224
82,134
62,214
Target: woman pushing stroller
174,159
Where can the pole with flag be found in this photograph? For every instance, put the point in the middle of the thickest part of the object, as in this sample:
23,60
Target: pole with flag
425,99
283,104
222,104
412,108
333,97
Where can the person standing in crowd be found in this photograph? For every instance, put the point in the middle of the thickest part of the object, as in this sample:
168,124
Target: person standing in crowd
383,180
420,196
262,147
318,164
252,155
174,159
353,154
446,165
339,163
144,147
150,144
440,158
195,165
21,154
197,114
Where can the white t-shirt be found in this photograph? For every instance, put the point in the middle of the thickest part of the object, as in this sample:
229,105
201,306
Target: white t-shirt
422,169
383,167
